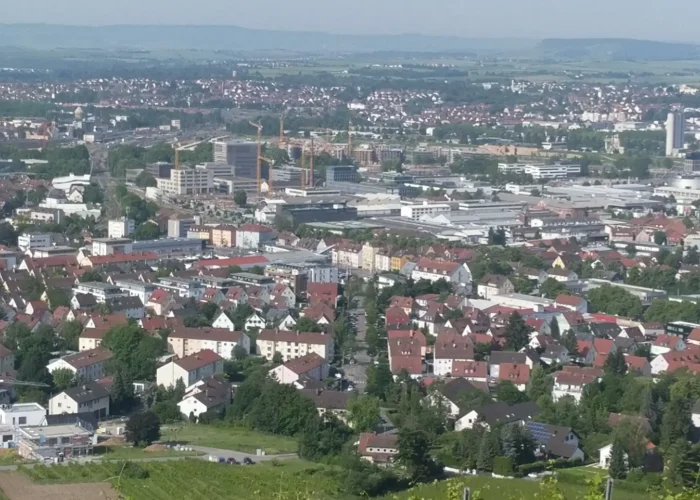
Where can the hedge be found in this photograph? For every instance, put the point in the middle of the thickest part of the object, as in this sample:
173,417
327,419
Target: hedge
503,466
559,463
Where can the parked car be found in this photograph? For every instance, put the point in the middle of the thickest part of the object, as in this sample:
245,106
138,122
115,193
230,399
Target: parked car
248,461
232,461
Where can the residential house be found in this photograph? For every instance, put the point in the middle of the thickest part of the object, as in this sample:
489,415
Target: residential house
572,380
452,272
237,295
674,360
329,402
212,394
223,321
449,348
406,355
536,275
494,284
297,371
572,302
409,334
284,293
555,354
452,397
131,307
254,236
88,397
498,413
562,275
347,255
498,358
404,303
517,374
21,414
293,345
86,365
254,321
554,441
190,369
380,449
475,372
666,343
395,316
160,302
638,364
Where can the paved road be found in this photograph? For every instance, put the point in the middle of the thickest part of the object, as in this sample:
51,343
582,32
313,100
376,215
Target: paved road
216,452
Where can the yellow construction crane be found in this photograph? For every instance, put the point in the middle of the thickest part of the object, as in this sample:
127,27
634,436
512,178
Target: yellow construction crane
349,140
311,165
302,174
270,162
259,127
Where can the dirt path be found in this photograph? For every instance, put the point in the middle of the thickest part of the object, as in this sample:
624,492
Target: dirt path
17,487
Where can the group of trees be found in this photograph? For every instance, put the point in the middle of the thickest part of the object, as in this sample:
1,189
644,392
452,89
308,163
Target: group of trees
126,157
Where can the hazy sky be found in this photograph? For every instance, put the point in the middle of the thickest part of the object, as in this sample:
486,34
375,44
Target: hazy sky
660,20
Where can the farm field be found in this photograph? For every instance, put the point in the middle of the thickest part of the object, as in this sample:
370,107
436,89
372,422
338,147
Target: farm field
228,437
505,489
183,479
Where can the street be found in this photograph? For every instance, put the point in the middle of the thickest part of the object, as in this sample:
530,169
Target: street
357,373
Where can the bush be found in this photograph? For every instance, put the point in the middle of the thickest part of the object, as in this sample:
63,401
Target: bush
503,466
131,470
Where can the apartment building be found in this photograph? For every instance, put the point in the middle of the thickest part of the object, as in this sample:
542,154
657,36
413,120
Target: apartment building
224,235
415,212
86,365
185,341
293,345
188,181
190,369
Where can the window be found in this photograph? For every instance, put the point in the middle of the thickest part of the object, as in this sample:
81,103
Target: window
53,441
6,438
22,420
65,440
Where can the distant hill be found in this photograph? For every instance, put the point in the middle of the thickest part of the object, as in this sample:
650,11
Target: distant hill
46,36
617,49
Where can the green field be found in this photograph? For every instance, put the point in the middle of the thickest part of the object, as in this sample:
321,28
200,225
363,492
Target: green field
196,479
507,489
228,437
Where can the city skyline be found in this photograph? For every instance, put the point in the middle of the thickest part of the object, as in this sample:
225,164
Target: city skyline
442,17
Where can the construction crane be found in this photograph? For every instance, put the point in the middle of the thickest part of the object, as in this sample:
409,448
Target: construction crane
349,140
259,127
311,165
282,141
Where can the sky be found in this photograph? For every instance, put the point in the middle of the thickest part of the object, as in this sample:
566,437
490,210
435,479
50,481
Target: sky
643,19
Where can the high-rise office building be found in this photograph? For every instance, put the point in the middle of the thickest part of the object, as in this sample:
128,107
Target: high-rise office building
243,156
675,132
340,173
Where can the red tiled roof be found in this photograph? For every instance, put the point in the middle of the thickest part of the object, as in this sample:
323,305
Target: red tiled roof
666,341
636,363
396,316
274,335
569,300
205,333
255,228
512,372
412,364
87,358
122,257
402,302
435,266
603,346
305,363
475,369
198,360
159,296
55,261
407,334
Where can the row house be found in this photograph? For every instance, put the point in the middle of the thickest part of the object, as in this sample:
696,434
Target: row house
347,255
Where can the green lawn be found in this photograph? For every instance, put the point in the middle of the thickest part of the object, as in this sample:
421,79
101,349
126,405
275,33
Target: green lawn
228,438
505,489
201,480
